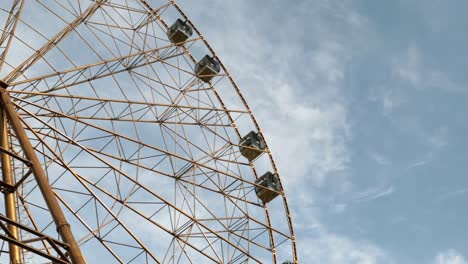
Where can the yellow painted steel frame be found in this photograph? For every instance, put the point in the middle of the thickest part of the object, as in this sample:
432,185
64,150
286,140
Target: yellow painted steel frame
9,113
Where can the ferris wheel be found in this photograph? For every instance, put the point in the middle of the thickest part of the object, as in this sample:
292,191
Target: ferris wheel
123,139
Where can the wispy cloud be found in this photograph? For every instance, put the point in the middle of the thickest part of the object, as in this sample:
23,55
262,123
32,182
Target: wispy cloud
379,158
450,256
293,76
408,66
435,141
452,194
334,249
374,193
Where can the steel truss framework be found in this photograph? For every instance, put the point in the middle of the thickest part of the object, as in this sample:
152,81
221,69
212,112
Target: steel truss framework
113,151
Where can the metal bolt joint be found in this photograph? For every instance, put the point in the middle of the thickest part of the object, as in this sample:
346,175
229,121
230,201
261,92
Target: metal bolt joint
61,225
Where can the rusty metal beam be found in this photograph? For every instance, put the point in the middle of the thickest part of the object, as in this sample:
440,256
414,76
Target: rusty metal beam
54,41
9,30
8,193
32,249
63,227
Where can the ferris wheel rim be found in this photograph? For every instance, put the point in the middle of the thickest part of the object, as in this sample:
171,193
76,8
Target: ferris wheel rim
226,110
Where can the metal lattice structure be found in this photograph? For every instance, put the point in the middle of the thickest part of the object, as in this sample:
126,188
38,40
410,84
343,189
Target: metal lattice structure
114,150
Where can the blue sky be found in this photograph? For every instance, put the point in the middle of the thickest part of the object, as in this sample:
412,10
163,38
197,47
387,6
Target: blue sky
363,104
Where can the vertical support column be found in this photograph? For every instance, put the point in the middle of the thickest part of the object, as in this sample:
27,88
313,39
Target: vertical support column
63,227
10,199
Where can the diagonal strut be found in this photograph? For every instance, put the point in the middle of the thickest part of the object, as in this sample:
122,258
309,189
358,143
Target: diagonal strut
63,227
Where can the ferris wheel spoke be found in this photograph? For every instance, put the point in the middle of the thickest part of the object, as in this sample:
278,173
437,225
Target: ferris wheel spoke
134,120
182,137
153,15
259,224
86,184
134,141
30,217
142,152
53,42
228,229
218,190
129,161
120,101
93,72
102,238
90,150
9,30
202,227
140,111
149,219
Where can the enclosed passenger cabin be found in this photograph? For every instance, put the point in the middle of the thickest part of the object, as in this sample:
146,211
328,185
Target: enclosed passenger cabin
252,145
207,68
269,187
179,32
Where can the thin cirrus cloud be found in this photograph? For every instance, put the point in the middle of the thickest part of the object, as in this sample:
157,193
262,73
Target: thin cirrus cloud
351,97
450,256
295,92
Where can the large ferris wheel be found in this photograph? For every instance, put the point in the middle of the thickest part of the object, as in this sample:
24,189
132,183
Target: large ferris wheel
123,139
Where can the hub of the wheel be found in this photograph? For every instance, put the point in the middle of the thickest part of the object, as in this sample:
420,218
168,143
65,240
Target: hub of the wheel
3,84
